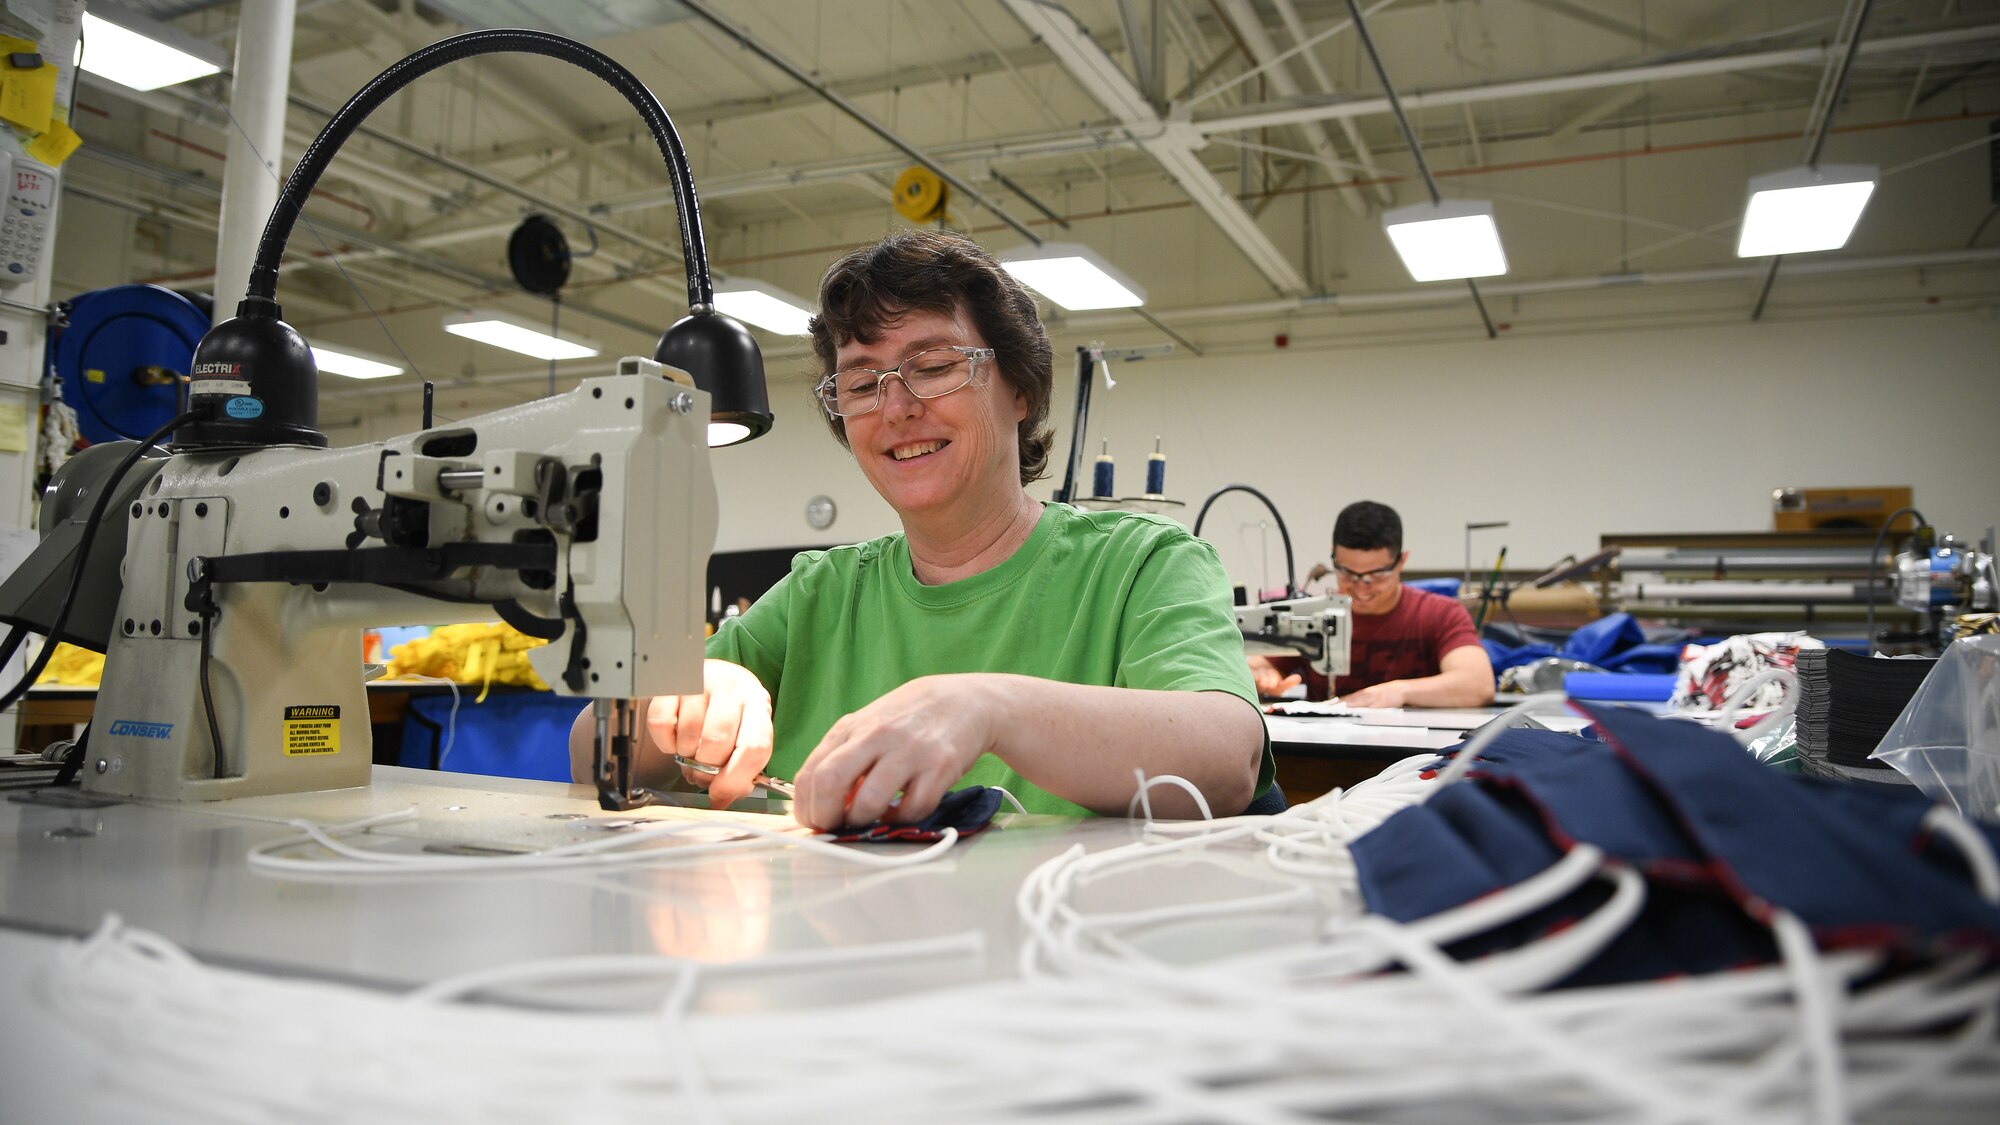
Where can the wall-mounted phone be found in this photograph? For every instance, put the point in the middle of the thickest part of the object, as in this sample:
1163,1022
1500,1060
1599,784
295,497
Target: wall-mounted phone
25,228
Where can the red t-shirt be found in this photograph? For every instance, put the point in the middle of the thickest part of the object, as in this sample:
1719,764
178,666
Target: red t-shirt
1406,643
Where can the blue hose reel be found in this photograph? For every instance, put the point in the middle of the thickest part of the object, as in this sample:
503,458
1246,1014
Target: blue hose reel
123,359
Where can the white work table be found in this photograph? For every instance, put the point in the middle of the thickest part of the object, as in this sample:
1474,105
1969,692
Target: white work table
181,872
1390,733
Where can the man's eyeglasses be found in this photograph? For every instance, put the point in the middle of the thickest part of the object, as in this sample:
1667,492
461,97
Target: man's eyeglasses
927,374
1365,577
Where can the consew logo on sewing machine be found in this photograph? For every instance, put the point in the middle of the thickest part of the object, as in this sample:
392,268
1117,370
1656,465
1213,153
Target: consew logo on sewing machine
135,728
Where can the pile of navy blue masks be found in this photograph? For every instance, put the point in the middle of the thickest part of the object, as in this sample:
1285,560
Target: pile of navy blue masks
1721,841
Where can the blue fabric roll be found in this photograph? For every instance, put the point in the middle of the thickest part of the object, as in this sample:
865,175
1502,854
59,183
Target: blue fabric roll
1628,687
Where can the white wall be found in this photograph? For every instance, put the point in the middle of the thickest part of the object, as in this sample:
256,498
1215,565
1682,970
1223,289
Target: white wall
1668,429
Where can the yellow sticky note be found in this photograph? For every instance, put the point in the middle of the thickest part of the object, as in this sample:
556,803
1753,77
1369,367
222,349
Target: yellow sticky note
56,145
12,46
28,97
13,425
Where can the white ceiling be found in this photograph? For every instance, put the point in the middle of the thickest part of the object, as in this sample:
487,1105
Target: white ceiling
1613,137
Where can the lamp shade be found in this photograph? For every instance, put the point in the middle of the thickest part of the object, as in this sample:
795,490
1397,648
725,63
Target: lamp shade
1448,240
1803,209
724,360
1073,276
254,383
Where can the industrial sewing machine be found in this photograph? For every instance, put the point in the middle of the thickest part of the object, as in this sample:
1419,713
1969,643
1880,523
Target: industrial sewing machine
228,581
1316,628
233,644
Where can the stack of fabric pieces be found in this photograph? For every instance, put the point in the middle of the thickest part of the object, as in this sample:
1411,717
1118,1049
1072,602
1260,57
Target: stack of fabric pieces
1846,704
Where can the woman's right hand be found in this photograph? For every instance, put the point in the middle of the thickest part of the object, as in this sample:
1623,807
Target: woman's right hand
1271,683
727,725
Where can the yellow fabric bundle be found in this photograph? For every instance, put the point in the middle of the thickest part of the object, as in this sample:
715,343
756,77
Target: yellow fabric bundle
73,667
470,654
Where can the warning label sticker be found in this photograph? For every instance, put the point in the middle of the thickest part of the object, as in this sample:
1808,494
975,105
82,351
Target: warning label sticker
312,730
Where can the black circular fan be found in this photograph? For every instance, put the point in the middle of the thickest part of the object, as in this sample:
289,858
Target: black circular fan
538,254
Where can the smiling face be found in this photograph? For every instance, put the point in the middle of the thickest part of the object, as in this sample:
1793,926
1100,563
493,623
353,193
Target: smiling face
939,459
1382,585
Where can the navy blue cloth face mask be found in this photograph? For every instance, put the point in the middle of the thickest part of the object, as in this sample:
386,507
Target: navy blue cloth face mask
968,810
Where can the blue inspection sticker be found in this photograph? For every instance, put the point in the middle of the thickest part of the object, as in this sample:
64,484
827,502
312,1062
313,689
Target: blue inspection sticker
244,407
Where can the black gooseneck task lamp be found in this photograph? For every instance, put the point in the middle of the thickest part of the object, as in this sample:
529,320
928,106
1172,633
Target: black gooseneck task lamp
1291,590
254,381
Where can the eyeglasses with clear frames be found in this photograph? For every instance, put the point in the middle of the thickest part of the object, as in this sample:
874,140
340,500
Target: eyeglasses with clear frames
927,374
1365,577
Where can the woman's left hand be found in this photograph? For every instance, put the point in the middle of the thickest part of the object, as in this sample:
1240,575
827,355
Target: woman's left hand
917,740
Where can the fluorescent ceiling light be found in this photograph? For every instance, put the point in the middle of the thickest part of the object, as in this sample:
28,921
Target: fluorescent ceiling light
1073,276
353,366
765,306
1446,241
1800,210
143,54
490,328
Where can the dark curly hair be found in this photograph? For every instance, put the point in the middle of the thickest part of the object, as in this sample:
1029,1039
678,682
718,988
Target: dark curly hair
940,272
1366,526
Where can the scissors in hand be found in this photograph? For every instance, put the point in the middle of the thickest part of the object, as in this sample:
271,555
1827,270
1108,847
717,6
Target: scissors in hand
771,784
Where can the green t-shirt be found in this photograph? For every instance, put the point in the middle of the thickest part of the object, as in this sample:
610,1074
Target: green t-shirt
1103,598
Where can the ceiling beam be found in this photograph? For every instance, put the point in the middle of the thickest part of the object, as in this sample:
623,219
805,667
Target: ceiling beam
1276,116
1258,42
1172,144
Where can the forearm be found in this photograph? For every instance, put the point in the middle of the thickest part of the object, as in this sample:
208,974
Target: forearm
1082,743
1460,687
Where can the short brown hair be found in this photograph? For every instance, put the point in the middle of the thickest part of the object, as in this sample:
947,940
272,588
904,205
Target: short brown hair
939,271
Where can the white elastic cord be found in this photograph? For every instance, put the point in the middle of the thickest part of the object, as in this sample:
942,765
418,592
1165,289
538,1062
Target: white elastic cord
1972,844
1545,703
1739,702
627,967
609,851
1143,798
451,720
1818,1016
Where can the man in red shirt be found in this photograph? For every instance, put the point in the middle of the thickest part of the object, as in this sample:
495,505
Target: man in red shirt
1411,648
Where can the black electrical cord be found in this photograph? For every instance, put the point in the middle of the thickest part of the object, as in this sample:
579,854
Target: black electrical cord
1874,553
83,545
1291,590
1086,371
299,185
208,697
72,763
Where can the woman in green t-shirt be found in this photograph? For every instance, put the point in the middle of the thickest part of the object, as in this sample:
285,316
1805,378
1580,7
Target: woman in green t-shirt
995,640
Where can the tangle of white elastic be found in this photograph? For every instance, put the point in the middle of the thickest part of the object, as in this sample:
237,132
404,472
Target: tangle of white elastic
615,850
1312,1009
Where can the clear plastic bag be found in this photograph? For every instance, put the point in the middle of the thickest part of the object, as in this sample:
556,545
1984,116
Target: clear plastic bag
1947,740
